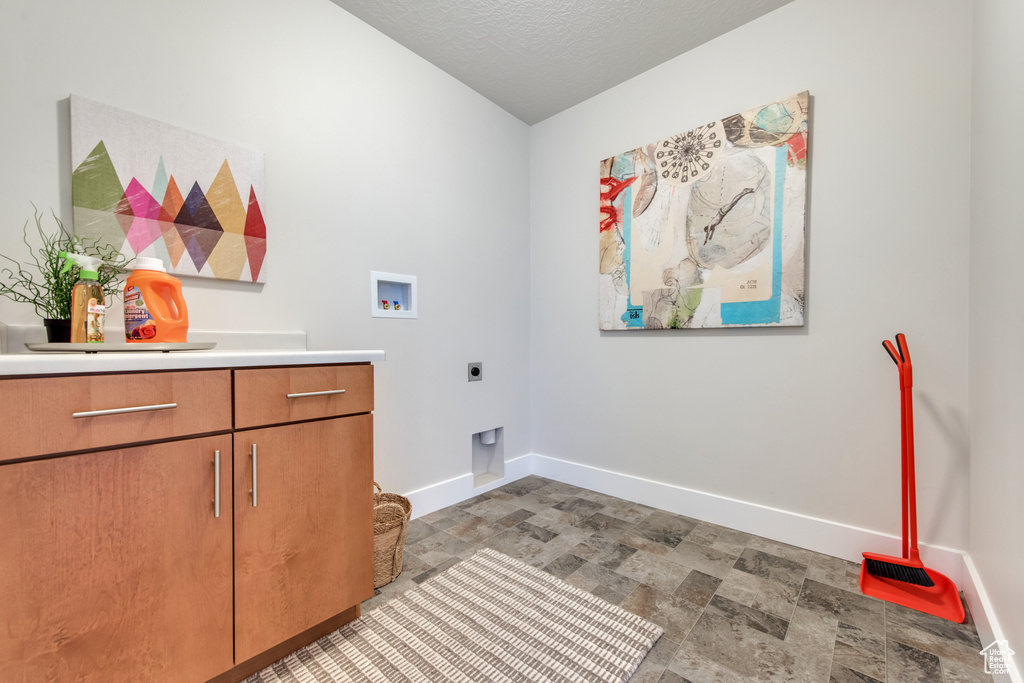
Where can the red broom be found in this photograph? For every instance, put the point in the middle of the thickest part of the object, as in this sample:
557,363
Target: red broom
905,580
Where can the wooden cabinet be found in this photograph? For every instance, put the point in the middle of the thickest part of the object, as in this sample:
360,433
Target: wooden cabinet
113,563
113,566
300,555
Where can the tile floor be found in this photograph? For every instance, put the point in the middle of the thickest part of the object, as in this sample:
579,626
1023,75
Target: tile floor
735,607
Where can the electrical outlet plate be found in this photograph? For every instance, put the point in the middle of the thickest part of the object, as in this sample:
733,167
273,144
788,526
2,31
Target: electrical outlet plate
476,372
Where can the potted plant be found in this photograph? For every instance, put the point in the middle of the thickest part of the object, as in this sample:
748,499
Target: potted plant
40,282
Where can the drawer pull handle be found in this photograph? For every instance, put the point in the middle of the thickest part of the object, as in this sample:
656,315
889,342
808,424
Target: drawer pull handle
121,411
304,394
216,483
252,452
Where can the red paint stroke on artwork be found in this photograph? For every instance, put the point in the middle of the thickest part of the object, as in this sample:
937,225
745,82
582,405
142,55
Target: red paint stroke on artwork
797,147
611,188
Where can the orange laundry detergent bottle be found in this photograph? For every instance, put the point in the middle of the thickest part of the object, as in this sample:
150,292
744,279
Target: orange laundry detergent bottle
154,309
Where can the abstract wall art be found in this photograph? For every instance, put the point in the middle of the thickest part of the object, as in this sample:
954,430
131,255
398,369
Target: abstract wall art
706,228
152,189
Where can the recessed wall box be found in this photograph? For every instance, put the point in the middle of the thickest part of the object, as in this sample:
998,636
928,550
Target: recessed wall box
392,295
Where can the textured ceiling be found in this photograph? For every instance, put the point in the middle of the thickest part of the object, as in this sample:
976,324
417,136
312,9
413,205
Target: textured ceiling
535,58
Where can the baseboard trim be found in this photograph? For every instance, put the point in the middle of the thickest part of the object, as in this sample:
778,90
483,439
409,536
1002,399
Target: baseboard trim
457,489
820,535
985,618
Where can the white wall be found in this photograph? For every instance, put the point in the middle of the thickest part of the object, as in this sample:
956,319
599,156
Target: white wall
375,160
802,419
997,318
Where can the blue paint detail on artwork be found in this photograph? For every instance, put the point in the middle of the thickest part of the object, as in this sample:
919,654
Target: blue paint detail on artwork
769,311
623,166
774,118
160,182
634,315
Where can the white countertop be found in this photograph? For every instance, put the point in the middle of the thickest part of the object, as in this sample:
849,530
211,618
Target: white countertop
76,363
234,350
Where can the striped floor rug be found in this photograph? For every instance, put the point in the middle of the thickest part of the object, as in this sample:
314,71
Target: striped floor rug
488,619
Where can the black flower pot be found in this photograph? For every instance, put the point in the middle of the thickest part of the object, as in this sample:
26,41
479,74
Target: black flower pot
57,330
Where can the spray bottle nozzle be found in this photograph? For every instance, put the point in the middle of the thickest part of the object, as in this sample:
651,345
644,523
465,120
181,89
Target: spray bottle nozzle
90,265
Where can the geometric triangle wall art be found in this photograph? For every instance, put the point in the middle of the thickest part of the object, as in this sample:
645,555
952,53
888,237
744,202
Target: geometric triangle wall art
152,189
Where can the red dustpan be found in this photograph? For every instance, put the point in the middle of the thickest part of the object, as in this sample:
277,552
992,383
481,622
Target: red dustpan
905,580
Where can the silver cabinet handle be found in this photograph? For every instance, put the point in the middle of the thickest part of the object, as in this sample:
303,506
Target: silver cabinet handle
252,452
121,411
304,394
216,483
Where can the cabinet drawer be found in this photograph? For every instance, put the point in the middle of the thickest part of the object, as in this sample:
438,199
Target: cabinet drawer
61,414
266,396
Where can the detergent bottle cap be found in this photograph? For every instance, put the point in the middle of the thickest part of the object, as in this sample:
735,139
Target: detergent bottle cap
90,265
149,263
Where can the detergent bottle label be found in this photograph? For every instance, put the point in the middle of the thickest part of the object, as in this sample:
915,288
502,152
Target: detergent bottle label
138,324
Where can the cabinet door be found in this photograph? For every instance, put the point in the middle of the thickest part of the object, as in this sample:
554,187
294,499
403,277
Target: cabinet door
113,566
304,550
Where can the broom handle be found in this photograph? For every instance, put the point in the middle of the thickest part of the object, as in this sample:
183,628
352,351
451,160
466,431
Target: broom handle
907,389
897,357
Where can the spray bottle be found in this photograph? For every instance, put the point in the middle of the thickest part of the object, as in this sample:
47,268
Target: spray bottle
88,308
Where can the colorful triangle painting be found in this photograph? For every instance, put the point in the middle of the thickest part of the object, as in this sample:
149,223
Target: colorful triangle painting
220,232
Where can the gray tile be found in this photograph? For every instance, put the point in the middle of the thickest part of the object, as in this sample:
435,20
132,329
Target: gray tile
906,664
784,550
523,486
835,572
707,559
851,608
860,651
746,651
608,595
602,522
474,530
579,508
689,663
607,552
672,677
674,614
418,530
449,517
633,513
492,509
956,642
955,672
759,592
470,502
809,639
765,565
434,571
842,674
553,520
698,588
731,542
618,583
748,617
517,545
436,549
520,515
527,529
665,528
633,539
564,565
660,572
704,533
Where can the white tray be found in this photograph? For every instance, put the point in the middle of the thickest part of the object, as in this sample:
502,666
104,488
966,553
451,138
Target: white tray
118,347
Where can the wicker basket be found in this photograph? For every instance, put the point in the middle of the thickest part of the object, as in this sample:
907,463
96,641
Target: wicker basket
391,514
